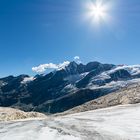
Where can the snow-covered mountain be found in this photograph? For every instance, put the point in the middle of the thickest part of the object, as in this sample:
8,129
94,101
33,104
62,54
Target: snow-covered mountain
67,87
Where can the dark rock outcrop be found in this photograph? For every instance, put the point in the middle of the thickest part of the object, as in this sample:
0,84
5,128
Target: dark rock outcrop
60,90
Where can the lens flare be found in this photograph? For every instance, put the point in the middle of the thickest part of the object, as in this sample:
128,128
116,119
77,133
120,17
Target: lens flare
98,11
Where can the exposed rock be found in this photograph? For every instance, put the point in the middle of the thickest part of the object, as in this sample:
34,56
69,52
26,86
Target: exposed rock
65,88
8,114
126,95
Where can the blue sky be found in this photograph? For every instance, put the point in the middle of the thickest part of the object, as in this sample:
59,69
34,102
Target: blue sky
34,32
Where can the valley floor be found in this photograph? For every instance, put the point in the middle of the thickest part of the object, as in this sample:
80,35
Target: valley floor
114,123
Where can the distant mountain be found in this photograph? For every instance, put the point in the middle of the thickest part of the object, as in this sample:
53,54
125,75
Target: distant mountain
65,88
127,95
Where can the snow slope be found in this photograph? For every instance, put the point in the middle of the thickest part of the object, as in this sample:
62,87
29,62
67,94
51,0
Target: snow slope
115,123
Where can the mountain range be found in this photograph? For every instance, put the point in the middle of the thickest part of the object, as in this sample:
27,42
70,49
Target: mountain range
66,88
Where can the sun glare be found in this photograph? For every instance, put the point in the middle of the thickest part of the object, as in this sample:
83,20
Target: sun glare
98,11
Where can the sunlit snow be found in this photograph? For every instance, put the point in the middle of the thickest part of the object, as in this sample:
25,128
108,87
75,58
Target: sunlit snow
115,123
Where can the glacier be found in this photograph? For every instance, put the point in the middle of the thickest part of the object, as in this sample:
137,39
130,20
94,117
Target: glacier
113,123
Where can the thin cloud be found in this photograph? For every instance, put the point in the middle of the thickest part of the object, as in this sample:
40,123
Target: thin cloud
27,79
77,59
43,67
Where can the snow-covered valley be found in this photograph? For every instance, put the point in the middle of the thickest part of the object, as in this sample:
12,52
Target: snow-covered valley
114,123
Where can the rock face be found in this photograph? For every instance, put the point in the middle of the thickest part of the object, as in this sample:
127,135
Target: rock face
9,114
65,88
127,95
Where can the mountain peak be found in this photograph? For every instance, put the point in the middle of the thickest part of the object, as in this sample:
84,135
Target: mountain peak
67,87
72,64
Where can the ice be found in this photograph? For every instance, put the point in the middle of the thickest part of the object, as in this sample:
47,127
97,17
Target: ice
114,123
27,80
31,130
132,69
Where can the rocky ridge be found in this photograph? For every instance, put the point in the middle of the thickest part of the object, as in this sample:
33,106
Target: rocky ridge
10,114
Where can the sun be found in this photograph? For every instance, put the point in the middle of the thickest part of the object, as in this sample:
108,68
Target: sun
97,11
